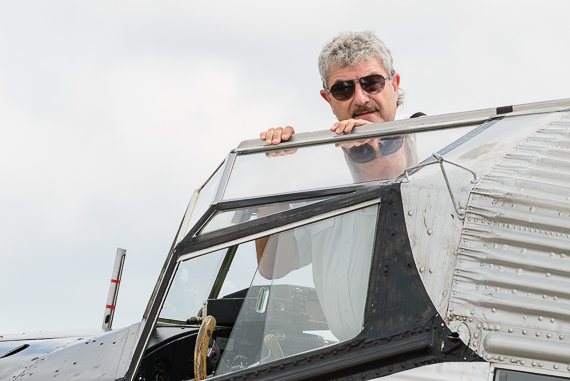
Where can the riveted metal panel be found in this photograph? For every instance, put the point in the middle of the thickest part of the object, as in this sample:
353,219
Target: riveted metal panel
88,358
511,285
433,224
447,371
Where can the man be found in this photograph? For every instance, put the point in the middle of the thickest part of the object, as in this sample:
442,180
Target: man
361,87
359,81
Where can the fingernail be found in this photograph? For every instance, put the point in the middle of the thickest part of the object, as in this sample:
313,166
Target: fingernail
275,141
338,130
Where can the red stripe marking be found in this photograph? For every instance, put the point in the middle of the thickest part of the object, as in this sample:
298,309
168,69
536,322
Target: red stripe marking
115,281
110,307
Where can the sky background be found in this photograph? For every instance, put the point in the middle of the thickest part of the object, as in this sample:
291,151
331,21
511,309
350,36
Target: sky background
112,113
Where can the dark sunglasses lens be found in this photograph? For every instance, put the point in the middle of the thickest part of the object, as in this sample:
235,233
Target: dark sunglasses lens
342,91
373,84
362,154
390,145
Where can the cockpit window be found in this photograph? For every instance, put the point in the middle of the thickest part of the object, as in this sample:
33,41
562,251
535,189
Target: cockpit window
310,290
211,276
331,165
200,202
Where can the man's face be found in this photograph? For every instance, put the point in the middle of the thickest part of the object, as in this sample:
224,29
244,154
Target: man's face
375,108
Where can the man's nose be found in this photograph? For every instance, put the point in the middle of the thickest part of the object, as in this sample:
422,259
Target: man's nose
360,96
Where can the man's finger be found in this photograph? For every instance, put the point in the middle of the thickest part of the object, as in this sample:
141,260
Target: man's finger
287,132
349,125
277,135
269,136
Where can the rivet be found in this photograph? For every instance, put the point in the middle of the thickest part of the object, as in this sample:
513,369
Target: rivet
549,335
548,275
522,362
476,335
505,247
552,255
489,357
429,231
410,213
525,317
540,318
475,343
519,271
561,337
501,358
524,331
501,268
479,325
544,296
555,366
540,364
514,291
431,270
497,289
511,330
422,269
513,360
537,334
470,319
493,309
534,363
556,298
472,312
552,320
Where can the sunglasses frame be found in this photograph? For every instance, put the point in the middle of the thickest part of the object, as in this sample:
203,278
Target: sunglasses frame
351,83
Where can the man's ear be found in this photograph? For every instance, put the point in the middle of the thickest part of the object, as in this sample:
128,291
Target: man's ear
326,96
396,82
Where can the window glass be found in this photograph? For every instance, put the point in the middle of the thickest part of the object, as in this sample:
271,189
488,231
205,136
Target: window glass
210,276
200,202
309,291
238,216
512,375
191,286
329,165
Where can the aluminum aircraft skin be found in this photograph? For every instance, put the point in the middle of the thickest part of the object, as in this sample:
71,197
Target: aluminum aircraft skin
434,248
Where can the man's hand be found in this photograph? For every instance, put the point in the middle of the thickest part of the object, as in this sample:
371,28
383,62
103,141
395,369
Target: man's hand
276,135
347,125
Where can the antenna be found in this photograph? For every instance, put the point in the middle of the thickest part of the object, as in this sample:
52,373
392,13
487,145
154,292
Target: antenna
114,288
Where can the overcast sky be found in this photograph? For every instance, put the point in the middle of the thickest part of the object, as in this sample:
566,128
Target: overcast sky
112,113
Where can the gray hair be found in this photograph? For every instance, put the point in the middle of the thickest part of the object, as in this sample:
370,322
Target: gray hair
349,48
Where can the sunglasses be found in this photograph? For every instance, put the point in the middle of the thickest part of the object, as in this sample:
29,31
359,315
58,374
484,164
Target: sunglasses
364,153
344,90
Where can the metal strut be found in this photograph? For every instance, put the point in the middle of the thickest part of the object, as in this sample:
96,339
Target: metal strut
440,159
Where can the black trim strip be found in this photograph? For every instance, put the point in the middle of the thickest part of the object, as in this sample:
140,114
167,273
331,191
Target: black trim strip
504,110
284,197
